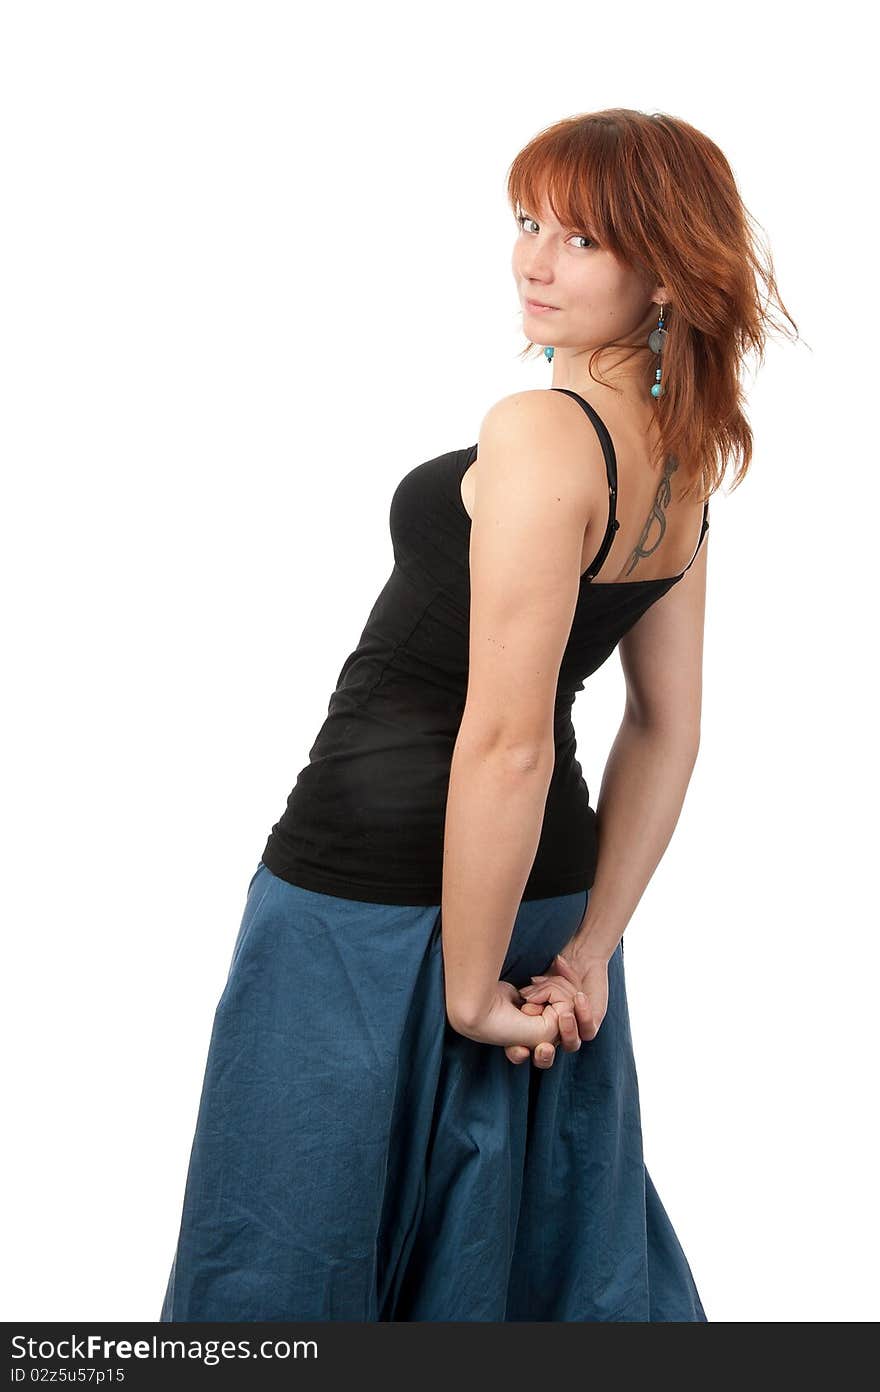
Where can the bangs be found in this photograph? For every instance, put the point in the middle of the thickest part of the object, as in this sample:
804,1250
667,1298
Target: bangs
568,172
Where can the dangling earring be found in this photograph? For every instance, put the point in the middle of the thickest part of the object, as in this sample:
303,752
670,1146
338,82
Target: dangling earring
548,354
656,343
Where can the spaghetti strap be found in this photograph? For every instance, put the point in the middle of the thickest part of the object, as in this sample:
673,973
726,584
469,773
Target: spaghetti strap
611,471
703,530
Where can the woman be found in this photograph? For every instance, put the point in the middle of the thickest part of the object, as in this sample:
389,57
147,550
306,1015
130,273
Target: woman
366,1146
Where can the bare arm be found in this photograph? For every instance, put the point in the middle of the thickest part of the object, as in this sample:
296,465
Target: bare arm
529,518
652,758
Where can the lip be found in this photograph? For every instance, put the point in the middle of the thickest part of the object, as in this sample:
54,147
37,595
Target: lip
535,307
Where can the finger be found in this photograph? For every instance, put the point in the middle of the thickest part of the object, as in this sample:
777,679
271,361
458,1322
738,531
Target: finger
552,1025
569,1032
544,982
544,1056
567,1025
555,979
587,1027
534,985
536,992
543,1028
558,983
554,990
517,1053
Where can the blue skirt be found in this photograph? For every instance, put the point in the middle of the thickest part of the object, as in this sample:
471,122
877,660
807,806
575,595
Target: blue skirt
356,1159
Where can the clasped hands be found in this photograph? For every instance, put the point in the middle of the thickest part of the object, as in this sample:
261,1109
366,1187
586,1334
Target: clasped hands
564,1006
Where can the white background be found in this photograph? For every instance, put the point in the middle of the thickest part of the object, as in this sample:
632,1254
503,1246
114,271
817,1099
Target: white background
256,266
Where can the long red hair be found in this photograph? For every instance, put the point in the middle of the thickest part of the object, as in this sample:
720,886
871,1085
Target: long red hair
661,196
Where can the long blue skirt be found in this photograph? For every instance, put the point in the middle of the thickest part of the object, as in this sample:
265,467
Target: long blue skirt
356,1159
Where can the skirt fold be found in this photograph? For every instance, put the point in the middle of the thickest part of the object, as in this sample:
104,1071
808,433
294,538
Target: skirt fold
355,1158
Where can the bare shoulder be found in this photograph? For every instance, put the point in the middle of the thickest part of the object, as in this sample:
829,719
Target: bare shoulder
525,559
537,439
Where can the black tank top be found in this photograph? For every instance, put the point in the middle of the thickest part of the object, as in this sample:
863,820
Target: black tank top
365,819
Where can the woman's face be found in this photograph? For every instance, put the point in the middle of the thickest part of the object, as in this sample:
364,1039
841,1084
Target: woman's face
595,297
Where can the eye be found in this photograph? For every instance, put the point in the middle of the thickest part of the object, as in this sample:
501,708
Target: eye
523,218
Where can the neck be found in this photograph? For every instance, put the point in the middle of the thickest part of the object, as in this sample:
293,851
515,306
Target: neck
624,373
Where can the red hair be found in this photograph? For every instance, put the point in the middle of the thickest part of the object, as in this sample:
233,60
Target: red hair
662,198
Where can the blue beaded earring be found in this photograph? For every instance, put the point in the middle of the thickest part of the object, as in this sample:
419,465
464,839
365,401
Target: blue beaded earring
656,343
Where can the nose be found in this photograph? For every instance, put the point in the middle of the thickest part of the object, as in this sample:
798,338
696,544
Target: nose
537,266
533,268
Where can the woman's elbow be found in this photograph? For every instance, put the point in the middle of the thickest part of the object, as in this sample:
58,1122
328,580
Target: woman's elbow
672,728
519,751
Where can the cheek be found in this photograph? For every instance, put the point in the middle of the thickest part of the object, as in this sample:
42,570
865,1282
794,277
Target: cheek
630,296
612,297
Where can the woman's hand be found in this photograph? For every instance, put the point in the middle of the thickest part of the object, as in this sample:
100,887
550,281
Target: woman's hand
536,1027
577,990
